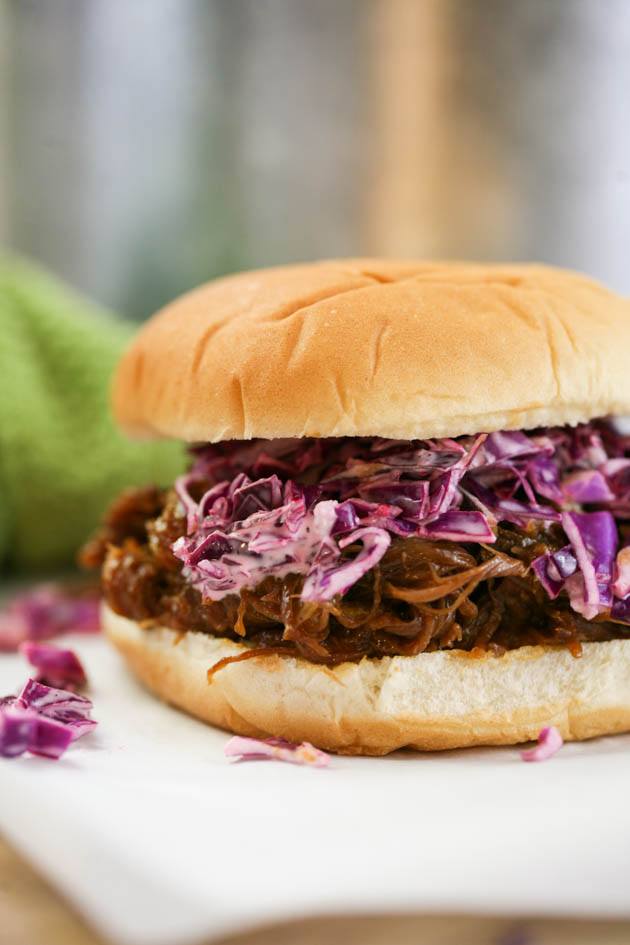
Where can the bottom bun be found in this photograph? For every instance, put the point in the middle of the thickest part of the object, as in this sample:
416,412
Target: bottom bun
446,699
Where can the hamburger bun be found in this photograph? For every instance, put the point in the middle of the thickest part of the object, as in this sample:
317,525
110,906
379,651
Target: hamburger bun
370,347
365,347
445,699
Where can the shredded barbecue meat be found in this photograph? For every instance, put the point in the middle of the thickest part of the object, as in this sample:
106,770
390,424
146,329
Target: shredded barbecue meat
424,595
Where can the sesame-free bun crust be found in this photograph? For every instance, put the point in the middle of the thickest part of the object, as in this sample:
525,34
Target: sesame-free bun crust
430,701
369,347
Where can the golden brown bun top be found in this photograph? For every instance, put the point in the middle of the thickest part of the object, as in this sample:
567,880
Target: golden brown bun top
371,347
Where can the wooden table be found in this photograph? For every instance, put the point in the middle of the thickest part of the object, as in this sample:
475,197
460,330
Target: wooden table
32,913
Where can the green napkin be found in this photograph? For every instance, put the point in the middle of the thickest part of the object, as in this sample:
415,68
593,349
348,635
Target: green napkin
61,458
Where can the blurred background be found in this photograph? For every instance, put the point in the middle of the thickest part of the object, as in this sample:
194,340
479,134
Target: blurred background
147,146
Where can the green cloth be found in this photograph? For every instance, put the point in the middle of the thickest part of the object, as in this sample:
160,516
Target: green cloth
61,458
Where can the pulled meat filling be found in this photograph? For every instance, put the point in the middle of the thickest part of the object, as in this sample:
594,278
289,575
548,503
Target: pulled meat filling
424,595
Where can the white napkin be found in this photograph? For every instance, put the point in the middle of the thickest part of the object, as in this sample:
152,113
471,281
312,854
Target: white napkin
157,838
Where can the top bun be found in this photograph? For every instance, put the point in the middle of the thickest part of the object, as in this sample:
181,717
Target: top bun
372,347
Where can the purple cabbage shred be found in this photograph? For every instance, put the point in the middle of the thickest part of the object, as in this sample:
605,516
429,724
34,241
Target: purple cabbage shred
42,720
55,667
47,610
327,509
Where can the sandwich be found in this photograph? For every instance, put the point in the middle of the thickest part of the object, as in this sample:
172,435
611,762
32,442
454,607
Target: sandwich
405,520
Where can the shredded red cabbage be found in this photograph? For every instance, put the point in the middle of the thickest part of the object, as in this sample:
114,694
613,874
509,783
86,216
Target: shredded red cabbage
593,536
16,729
327,508
549,742
276,749
23,730
69,708
45,611
42,720
56,667
553,568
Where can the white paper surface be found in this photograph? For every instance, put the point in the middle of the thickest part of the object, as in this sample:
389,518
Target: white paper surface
157,838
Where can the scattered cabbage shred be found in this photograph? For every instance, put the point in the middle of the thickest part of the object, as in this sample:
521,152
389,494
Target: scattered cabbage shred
276,749
549,742
44,720
56,667
48,610
327,509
